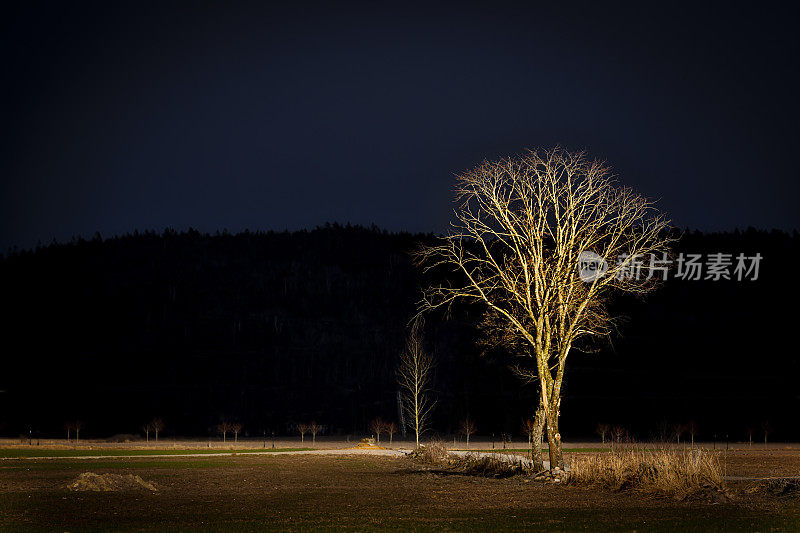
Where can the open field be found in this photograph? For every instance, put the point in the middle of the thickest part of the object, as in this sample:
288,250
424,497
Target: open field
301,491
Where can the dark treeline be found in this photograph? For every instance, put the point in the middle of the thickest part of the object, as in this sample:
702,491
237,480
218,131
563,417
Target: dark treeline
269,329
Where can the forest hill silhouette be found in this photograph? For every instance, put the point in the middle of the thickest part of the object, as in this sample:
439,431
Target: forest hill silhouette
273,328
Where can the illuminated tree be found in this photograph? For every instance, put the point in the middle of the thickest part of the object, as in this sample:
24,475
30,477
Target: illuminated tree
302,429
77,426
146,428
618,434
602,430
69,426
468,428
314,428
691,427
678,430
223,428
522,227
377,427
391,429
157,424
236,427
414,375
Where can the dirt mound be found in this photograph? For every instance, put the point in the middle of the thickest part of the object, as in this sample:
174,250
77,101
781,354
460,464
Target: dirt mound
91,482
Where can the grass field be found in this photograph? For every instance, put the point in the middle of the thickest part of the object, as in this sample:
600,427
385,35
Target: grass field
295,492
27,452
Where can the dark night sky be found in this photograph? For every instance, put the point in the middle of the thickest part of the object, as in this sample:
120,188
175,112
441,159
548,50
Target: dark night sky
143,116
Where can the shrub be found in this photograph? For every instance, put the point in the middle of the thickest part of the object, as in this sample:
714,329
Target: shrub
435,455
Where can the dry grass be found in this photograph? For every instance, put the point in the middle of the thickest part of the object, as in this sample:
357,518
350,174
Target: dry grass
435,455
674,473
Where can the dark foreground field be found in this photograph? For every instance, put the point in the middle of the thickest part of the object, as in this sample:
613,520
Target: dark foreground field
286,492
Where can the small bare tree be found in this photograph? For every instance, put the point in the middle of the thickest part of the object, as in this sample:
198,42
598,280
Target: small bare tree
602,430
692,429
236,427
77,426
677,431
391,429
542,242
157,424
619,434
314,428
69,426
377,427
750,432
468,428
223,429
146,428
302,429
414,374
766,427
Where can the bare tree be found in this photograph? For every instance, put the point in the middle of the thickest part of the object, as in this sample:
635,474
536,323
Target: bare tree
146,428
750,432
314,428
468,428
236,427
522,227
302,429
391,429
69,426
766,427
157,424
414,374
691,427
602,430
377,426
618,434
77,426
223,428
678,430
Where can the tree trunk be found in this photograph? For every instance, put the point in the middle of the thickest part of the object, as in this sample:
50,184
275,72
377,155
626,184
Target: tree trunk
554,440
550,410
536,440
416,423
156,435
